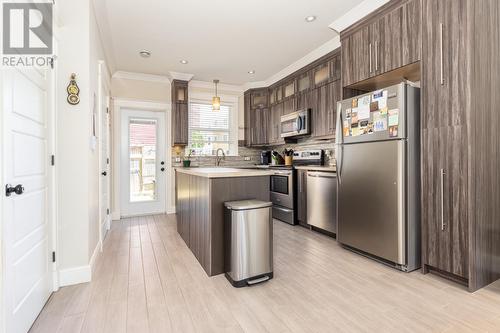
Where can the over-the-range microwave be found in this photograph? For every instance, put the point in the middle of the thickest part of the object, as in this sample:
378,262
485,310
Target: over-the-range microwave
296,124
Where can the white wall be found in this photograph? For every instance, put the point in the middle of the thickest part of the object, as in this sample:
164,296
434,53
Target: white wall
79,52
96,54
141,90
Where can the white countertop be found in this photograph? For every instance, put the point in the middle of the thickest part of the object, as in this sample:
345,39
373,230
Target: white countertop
317,168
224,172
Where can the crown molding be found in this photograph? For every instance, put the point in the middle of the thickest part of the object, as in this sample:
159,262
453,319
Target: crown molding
355,14
255,85
315,54
181,76
221,86
141,77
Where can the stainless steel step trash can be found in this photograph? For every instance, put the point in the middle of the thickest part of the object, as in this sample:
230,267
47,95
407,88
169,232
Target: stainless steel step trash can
248,233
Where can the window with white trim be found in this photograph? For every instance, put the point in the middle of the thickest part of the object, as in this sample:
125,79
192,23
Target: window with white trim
210,130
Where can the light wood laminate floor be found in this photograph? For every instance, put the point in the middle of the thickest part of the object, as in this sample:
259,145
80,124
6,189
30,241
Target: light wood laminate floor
147,280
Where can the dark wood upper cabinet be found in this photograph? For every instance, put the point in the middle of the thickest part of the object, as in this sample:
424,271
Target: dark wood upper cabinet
259,98
323,114
289,89
335,68
386,40
321,74
389,50
411,32
315,87
304,82
180,113
356,63
274,131
256,117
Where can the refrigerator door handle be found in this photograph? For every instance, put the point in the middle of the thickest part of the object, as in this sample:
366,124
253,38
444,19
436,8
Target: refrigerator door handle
442,200
340,145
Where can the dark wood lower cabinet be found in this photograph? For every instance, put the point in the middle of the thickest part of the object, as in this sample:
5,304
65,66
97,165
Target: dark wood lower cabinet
444,185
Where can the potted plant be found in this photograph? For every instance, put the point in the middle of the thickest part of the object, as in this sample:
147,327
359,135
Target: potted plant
187,160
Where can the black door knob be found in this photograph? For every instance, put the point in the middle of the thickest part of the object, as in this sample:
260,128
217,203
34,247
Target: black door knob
162,169
162,163
104,173
19,189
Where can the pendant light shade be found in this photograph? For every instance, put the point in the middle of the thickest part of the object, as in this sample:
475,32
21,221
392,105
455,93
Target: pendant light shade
216,99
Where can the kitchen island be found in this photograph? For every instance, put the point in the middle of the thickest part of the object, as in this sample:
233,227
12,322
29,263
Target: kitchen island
200,196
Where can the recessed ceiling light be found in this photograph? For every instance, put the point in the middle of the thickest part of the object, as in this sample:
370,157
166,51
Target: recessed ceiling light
310,18
251,72
145,53
184,62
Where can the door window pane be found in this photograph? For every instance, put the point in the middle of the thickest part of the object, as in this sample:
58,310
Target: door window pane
142,148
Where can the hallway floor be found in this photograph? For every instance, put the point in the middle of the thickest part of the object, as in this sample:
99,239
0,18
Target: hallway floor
147,280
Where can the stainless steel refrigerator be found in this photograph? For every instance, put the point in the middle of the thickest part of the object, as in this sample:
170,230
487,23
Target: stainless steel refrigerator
378,175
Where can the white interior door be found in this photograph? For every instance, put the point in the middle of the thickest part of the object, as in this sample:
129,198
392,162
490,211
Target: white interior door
104,157
143,164
26,167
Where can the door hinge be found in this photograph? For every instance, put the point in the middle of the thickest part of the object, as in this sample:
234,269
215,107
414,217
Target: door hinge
107,110
51,62
53,256
52,160
107,160
107,211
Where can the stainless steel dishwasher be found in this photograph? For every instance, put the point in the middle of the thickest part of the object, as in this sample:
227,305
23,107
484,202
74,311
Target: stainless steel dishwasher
322,200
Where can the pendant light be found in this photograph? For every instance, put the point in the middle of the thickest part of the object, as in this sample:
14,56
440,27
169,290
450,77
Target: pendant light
216,99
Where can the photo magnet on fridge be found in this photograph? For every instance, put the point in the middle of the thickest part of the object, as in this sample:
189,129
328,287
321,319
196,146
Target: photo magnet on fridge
393,117
373,106
393,131
346,128
355,103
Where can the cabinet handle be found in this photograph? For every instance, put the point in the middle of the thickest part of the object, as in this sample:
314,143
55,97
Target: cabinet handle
442,200
370,55
441,60
300,182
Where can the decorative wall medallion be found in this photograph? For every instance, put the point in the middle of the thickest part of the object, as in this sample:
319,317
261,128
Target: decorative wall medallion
73,91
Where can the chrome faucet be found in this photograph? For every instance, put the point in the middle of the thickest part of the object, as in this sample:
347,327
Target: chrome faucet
218,158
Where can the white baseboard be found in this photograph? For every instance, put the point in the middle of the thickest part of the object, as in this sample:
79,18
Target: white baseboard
81,274
171,210
115,216
76,275
94,256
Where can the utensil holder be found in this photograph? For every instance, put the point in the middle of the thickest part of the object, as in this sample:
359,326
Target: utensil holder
288,160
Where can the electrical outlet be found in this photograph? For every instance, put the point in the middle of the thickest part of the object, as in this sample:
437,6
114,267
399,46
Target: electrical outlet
247,158
177,159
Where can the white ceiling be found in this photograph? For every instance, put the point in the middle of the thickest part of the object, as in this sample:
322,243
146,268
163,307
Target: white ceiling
221,39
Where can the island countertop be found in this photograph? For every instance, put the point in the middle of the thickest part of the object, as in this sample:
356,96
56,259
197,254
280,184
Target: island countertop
223,172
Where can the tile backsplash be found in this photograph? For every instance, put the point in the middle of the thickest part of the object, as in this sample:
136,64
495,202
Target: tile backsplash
251,156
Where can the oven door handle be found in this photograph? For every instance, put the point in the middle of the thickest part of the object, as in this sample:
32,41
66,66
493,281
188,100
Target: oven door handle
283,209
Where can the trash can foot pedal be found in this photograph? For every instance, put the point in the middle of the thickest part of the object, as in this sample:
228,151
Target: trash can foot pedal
259,280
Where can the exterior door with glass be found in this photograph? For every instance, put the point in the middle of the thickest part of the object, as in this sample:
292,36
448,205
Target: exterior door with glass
143,162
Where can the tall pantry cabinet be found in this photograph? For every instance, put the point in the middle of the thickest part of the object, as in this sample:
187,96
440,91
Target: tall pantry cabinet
460,153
